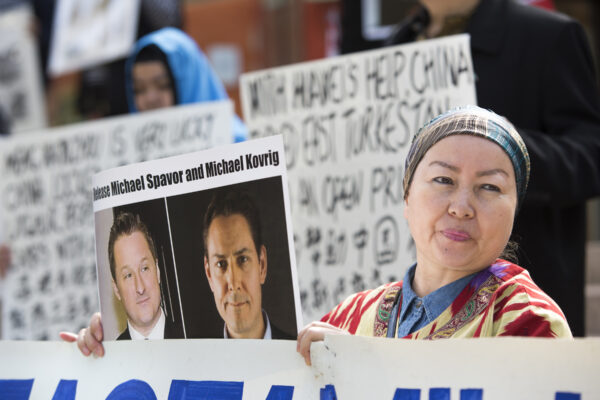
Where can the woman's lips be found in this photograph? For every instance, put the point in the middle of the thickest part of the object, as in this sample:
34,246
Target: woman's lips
457,236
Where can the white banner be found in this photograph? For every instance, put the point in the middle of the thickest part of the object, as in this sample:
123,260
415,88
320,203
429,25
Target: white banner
46,206
347,124
21,94
344,367
91,32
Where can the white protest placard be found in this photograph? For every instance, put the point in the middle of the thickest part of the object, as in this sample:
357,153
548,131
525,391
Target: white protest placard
465,369
46,200
347,124
344,367
21,95
91,32
172,198
170,369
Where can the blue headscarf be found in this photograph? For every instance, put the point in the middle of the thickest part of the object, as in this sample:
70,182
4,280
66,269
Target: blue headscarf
194,79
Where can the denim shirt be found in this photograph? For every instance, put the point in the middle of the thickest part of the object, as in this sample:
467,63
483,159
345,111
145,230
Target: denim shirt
416,312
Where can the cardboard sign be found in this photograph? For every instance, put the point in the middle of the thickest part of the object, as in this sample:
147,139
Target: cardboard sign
166,268
47,215
91,32
347,123
21,95
344,367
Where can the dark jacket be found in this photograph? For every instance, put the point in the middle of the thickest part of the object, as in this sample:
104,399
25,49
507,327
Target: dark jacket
535,68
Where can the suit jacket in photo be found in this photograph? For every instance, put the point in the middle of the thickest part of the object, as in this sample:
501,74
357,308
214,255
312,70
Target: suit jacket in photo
172,331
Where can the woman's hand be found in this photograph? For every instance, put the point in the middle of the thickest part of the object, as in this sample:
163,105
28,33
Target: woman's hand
314,332
89,339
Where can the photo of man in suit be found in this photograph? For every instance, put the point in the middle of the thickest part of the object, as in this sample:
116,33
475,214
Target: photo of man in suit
235,263
136,279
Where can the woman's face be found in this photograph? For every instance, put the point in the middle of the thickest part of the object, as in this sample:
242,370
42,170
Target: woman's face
151,86
461,204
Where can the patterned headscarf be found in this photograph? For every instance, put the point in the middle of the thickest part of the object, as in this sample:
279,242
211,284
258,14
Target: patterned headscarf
475,121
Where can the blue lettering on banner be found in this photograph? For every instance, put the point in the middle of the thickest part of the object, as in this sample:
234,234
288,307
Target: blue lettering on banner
201,390
133,389
328,393
13,389
567,396
65,390
439,394
471,394
407,394
20,389
278,392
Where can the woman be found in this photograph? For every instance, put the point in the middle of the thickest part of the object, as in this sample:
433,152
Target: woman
466,174
166,68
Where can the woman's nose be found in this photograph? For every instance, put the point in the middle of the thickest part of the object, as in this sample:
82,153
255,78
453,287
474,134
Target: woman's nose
461,204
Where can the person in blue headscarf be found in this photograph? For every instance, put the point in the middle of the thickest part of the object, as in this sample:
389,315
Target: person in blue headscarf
167,68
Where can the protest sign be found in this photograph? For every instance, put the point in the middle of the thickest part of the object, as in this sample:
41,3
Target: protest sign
465,369
46,202
21,95
157,262
91,32
347,123
344,367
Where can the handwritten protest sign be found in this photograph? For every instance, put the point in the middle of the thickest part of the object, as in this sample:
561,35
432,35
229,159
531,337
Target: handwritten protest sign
21,96
343,368
46,200
347,123
86,33
252,267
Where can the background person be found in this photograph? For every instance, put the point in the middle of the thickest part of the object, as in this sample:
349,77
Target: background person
535,68
167,68
235,263
466,174
102,87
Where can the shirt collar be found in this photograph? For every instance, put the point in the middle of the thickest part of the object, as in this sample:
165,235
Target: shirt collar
267,335
157,332
435,302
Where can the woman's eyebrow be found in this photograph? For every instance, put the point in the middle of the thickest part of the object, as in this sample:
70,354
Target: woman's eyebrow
444,165
487,172
493,172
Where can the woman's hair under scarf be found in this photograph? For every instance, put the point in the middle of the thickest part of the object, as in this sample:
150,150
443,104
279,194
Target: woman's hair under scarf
474,121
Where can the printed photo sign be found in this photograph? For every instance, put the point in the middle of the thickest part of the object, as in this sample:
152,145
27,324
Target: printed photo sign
201,241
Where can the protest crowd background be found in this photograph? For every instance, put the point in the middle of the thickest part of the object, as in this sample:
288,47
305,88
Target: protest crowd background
237,36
